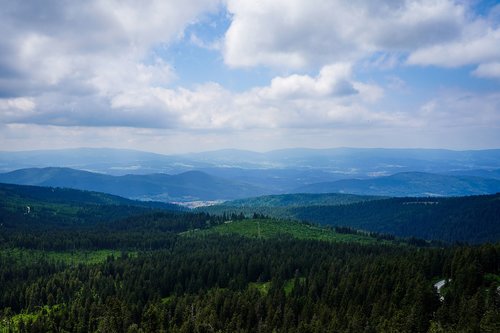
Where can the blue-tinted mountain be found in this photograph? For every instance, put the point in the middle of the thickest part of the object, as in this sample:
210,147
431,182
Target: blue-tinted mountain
409,184
275,180
353,161
187,186
335,163
104,160
484,173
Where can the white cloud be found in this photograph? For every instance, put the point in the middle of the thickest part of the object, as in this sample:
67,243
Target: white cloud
299,33
22,104
15,108
331,98
488,70
101,46
332,81
89,63
124,74
481,47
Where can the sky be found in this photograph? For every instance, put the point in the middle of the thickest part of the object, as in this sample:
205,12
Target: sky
183,76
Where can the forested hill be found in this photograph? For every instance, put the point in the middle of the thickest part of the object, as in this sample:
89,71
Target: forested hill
76,265
473,219
35,206
226,283
280,205
301,199
56,195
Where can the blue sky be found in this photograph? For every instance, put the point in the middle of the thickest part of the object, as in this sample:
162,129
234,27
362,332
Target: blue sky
200,75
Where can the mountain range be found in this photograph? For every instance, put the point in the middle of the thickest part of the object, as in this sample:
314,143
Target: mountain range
337,162
409,184
187,186
232,174
199,186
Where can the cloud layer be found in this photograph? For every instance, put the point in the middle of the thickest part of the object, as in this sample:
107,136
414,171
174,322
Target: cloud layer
297,33
102,64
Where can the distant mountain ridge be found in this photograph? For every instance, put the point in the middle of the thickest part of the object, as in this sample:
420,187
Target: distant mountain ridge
187,186
231,174
337,162
200,186
409,184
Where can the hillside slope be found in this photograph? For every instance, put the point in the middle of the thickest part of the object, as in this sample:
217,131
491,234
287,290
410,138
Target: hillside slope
23,193
300,199
46,207
473,219
280,205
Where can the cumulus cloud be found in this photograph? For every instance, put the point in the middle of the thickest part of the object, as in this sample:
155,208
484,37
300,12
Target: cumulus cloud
298,33
480,47
89,46
332,81
89,63
488,70
331,98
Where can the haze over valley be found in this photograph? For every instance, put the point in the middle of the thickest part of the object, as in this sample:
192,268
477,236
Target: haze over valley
231,174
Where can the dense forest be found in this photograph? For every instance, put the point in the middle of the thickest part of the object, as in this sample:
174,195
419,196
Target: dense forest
472,219
165,271
232,284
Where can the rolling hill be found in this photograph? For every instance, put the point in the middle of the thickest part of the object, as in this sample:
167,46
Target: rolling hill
15,194
473,219
187,186
272,228
280,206
48,208
409,184
300,200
